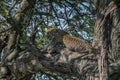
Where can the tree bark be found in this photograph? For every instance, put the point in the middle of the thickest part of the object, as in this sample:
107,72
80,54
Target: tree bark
106,35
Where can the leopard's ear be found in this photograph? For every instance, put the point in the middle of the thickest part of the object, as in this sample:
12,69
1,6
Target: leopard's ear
46,29
49,29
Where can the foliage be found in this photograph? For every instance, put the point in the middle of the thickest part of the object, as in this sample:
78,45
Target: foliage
76,17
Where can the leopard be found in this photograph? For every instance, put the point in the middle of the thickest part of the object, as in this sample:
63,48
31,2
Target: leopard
71,42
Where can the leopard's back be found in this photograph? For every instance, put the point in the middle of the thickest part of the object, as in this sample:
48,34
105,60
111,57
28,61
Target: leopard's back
76,44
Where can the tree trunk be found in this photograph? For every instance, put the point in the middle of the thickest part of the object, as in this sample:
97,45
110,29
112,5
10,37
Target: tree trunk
106,35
